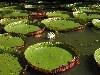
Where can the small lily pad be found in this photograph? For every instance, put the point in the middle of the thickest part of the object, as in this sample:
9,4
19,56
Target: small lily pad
97,56
9,65
96,23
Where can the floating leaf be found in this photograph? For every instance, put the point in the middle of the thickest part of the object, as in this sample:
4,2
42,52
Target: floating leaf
97,56
96,23
49,56
9,65
61,14
59,24
21,27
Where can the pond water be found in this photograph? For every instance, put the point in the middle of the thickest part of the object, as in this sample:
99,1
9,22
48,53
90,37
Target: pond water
86,42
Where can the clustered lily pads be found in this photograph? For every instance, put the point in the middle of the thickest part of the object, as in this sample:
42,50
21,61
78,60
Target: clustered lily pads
97,56
21,27
9,65
50,57
58,24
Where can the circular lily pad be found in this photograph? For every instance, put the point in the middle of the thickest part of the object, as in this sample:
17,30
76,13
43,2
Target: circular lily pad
9,65
58,24
97,56
48,56
21,27
61,14
9,41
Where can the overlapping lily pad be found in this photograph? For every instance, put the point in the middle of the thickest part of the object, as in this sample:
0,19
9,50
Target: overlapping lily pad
58,24
21,27
9,65
97,56
48,56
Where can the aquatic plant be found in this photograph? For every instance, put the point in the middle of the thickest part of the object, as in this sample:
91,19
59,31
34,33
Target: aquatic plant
9,65
93,16
80,16
61,14
21,27
51,57
6,21
97,56
96,23
9,43
16,14
58,24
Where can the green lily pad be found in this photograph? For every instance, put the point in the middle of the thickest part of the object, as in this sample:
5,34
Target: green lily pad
81,16
16,14
9,41
6,21
97,56
58,24
9,65
48,56
21,27
61,14
96,23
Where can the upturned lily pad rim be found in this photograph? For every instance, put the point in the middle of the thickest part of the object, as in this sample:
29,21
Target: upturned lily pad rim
51,44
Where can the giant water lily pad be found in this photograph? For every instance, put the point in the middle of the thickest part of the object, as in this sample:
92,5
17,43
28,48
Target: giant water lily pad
58,24
21,27
16,14
81,16
48,56
6,21
96,23
7,41
97,56
61,14
9,65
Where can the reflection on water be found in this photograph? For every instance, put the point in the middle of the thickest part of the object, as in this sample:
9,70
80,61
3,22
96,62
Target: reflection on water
87,42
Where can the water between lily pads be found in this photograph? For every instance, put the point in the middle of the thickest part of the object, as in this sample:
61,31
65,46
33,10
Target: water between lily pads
86,42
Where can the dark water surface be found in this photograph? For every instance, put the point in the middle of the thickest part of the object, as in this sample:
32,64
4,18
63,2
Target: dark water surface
86,42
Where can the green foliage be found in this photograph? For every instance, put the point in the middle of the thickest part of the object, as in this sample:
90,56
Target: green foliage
81,16
9,65
9,44
47,55
6,21
58,24
21,27
93,16
61,14
16,14
97,56
96,23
